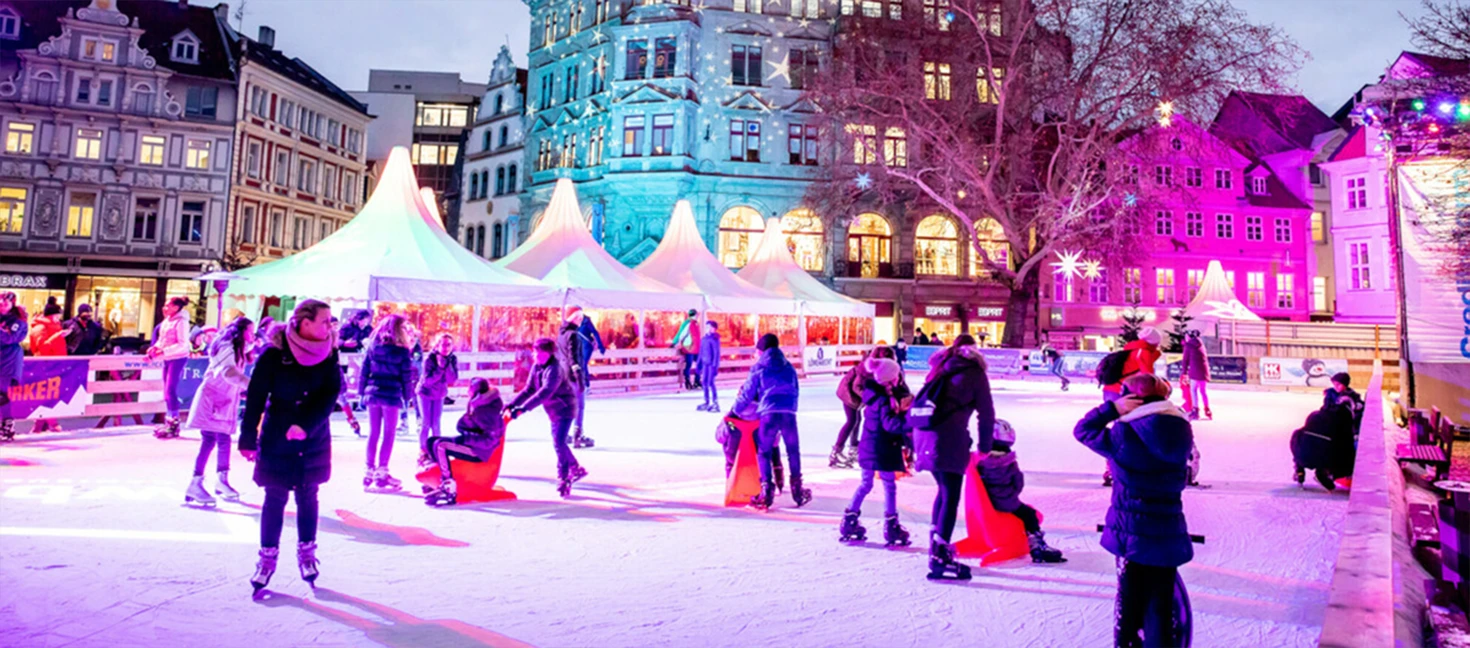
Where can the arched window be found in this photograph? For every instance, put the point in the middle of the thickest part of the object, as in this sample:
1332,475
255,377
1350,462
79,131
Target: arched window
504,135
142,99
804,238
497,241
740,234
485,140
937,247
474,185
484,182
869,247
500,181
46,88
469,238
480,240
510,180
993,240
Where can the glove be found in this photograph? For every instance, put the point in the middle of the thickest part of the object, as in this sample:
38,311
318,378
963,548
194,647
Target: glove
513,414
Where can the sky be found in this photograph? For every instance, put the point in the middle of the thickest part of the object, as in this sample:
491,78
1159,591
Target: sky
1350,41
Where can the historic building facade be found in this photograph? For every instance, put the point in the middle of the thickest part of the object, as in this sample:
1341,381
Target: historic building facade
490,203
118,121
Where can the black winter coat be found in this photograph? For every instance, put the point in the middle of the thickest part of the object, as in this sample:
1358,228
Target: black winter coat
387,375
289,394
1326,441
482,428
1003,480
548,386
965,392
885,429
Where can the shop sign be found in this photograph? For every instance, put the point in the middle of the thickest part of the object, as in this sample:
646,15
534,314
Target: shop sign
938,311
819,359
1309,372
25,281
990,313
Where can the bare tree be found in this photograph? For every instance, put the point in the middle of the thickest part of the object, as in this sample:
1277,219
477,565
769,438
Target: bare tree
1011,110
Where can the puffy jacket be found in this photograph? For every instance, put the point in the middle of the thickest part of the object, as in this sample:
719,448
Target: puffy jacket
569,355
1148,453
771,386
1326,441
46,337
172,339
1003,480
885,427
1194,365
216,405
12,331
591,341
440,372
1142,358
482,427
709,357
965,392
386,377
351,336
850,389
547,386
287,393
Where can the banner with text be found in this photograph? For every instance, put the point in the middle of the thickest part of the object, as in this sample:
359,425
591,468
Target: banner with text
1301,372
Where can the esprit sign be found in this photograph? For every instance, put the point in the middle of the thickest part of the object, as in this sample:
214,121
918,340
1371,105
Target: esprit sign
939,311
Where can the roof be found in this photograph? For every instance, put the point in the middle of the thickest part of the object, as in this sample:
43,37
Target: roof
1277,195
1216,301
297,70
1438,65
1291,119
683,261
161,21
772,268
1354,146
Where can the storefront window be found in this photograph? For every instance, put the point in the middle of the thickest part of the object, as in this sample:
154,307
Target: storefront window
857,330
34,299
993,240
123,305
735,330
660,327
936,247
192,290
869,247
988,333
784,326
618,328
740,234
804,238
432,319
508,328
823,331
946,329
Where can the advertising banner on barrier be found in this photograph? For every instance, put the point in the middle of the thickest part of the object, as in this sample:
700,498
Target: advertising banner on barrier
1299,372
1075,364
820,359
998,362
51,389
1437,301
1223,369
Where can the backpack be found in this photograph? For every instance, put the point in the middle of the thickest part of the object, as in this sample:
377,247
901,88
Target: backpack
1110,369
924,414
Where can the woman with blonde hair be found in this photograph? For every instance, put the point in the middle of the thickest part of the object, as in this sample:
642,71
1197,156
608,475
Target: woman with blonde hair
384,383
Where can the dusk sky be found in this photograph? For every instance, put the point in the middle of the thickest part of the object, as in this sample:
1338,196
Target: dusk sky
1350,41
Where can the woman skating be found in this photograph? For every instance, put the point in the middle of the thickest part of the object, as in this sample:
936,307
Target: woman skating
1195,368
172,346
216,409
550,386
12,358
294,386
385,382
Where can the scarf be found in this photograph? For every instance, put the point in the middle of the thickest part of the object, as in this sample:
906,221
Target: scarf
308,353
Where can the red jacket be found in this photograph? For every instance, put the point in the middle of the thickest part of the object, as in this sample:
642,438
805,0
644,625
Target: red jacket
1142,359
44,338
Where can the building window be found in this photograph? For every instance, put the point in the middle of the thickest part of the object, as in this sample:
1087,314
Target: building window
1194,177
1319,228
1222,179
633,136
1061,287
1258,186
329,181
1225,226
599,74
543,154
1194,279
197,154
1314,174
806,9
300,233
145,219
864,143
9,23
1194,224
801,144
637,59
1164,175
1283,230
663,134
740,234
434,154
745,65
748,6
568,151
992,239
104,92
1130,175
988,88
570,91
47,89
936,81
142,99
937,12
150,150
323,230
1255,289
665,57
487,138
306,176
600,11
79,213
869,247
247,224
895,147
12,210
89,144
438,115
804,235
937,247
745,140
191,221
200,102
504,136
510,180
1285,292
283,168
1319,294
252,159
1164,223
1132,285
594,146
804,65
349,189
1357,192
1254,230
480,240
1097,290
500,181
1362,274
20,138
278,224
1164,282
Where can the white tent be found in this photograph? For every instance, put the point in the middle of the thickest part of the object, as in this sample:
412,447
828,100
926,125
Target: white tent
772,268
561,252
1216,300
393,250
683,261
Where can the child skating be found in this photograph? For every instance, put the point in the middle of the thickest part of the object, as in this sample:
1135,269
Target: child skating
1003,481
551,387
481,431
880,449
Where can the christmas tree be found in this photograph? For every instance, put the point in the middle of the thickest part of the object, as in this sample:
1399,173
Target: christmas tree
1176,336
1132,321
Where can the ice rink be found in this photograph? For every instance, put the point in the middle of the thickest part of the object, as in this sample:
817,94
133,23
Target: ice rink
97,550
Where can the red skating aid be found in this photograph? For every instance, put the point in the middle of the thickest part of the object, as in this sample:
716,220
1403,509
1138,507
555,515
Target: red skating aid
994,536
474,480
744,481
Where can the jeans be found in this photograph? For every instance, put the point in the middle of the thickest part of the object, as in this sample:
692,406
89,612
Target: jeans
688,364
443,448
946,502
1056,370
273,514
210,441
431,411
1030,519
173,374
850,427
383,423
560,430
1145,602
890,493
711,393
775,428
581,391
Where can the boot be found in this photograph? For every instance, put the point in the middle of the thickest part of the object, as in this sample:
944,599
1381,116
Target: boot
798,494
942,564
894,533
1325,479
838,460
1299,475
369,477
766,497
222,487
1041,552
197,494
265,567
444,495
779,474
306,558
852,529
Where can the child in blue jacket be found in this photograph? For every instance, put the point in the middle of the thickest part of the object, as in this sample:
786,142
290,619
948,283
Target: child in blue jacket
1003,481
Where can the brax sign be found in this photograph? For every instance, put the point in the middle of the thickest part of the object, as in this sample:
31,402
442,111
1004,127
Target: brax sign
22,281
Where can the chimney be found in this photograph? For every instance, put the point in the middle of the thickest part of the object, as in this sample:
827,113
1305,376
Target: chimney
267,37
222,12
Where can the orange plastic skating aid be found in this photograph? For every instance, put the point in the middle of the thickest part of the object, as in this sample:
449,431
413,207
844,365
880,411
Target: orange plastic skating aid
994,536
744,481
474,480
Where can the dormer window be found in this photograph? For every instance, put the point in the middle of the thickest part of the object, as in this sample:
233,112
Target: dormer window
96,49
185,49
1258,186
9,23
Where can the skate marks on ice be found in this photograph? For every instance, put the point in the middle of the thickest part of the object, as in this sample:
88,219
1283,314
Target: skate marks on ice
386,625
361,529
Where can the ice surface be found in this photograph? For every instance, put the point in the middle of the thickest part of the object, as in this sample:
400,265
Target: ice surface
95,549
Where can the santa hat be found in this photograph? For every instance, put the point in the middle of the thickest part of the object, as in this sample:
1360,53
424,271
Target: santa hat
574,314
884,370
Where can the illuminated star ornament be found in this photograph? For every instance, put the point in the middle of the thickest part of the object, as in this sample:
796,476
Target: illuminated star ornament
1070,264
864,181
1165,112
1092,269
1130,199
781,69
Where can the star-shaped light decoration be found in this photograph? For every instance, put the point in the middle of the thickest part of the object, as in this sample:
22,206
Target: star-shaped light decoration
1165,112
1130,199
864,181
1229,310
1070,264
803,23
1092,269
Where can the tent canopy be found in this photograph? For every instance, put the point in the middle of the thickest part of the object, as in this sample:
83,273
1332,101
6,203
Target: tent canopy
1216,300
683,261
392,250
772,268
561,252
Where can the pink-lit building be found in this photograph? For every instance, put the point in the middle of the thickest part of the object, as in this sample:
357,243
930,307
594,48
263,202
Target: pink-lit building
1203,201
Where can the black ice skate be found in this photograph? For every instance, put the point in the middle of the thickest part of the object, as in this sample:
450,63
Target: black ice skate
1325,479
798,494
1042,552
1300,475
444,495
1107,478
169,429
580,441
264,568
942,565
894,534
766,497
852,530
196,494
306,559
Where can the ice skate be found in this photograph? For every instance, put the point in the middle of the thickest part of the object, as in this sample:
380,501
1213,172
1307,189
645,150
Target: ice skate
264,568
385,482
894,534
576,473
564,487
704,407
444,495
852,530
583,441
1299,475
942,565
169,429
838,459
766,497
1107,478
196,494
369,478
425,461
1042,552
798,494
306,559
7,430
1209,416
356,427
222,487
1325,479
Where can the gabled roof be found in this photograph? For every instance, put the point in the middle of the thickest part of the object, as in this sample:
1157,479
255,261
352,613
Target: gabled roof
773,269
682,261
296,70
1262,124
1277,195
1354,146
1434,66
161,22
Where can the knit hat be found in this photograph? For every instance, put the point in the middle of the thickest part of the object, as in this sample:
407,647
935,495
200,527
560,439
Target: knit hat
693,312
84,308
884,370
574,314
1342,378
1004,433
768,341
1150,335
546,344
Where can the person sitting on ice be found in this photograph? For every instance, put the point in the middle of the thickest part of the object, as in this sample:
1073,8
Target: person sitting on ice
481,431
772,385
550,386
885,433
1341,395
1003,481
1327,443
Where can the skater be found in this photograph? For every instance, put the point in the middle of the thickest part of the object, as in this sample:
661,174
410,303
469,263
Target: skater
84,336
959,389
171,345
355,332
1325,444
1341,395
12,358
216,410
901,352
294,386
709,366
481,431
384,382
1142,354
48,340
850,392
343,402
591,339
773,388
1053,359
1147,442
549,386
570,347
1194,372
686,342
1004,481
885,433
441,370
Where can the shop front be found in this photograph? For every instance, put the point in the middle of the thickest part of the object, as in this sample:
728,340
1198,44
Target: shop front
124,306
1096,327
987,324
942,320
885,322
